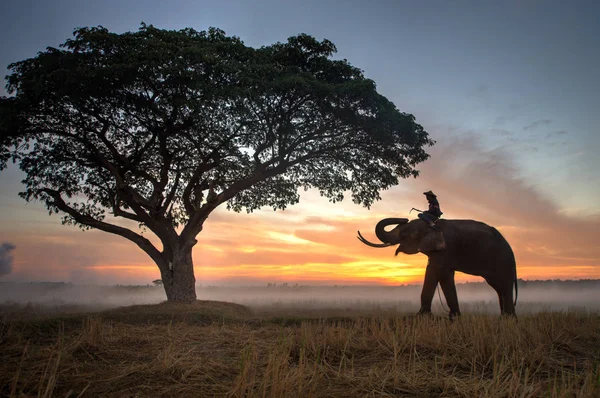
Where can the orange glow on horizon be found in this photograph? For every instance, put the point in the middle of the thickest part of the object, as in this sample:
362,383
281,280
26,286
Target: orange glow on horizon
315,244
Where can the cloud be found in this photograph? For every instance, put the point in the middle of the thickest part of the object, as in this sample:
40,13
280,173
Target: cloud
6,259
502,119
502,132
303,248
537,123
560,132
486,185
481,90
61,253
556,134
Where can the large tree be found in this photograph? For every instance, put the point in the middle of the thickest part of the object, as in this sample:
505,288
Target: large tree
161,127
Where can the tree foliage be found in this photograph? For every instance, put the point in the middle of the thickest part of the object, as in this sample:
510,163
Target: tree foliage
161,127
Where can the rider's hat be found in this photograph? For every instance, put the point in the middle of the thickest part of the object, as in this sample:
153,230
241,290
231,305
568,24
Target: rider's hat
429,193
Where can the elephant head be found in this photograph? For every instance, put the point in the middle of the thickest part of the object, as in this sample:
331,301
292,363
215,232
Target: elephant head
412,237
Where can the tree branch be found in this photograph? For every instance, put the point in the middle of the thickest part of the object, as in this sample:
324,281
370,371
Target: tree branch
171,194
120,158
129,195
139,240
194,225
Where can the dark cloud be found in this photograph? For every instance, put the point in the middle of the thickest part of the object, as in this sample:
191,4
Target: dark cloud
537,123
502,119
556,134
502,132
6,259
482,89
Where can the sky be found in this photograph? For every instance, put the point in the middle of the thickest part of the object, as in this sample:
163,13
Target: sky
509,90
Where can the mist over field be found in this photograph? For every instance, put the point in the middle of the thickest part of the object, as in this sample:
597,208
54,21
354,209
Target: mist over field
534,296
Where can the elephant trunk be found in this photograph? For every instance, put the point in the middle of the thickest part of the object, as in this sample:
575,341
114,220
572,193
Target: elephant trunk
384,235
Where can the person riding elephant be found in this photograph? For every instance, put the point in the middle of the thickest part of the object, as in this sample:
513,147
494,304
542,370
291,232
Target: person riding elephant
433,213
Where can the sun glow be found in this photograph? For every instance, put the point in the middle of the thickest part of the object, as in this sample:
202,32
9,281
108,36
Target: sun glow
306,249
288,238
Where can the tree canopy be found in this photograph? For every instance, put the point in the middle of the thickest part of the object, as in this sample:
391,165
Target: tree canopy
161,127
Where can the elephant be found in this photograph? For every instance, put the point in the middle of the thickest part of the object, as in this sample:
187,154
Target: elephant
467,246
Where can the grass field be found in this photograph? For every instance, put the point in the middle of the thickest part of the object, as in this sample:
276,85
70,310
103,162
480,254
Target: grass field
221,349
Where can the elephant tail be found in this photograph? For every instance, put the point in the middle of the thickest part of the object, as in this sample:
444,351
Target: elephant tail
516,286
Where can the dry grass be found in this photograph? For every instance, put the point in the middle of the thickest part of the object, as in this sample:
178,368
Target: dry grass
219,349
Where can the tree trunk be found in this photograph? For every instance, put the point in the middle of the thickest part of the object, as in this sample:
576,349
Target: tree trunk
179,280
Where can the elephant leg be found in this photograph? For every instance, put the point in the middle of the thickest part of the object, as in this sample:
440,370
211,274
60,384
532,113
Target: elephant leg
500,300
449,289
429,285
499,291
505,295
508,306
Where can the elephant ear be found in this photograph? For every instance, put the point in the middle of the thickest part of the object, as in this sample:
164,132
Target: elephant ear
432,241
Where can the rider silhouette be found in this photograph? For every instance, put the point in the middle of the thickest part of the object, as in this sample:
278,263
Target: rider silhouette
431,215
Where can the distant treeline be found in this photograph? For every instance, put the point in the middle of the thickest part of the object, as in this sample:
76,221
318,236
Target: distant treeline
583,283
569,283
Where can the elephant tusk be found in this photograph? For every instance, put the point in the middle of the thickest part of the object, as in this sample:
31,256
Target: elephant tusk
366,242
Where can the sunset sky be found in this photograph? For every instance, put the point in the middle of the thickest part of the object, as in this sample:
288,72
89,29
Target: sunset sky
510,90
